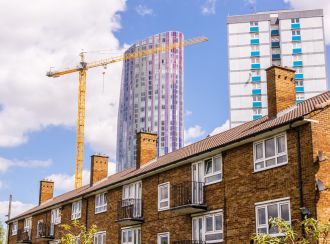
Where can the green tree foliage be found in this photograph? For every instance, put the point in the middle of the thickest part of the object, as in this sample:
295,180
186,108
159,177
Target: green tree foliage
2,233
314,232
71,232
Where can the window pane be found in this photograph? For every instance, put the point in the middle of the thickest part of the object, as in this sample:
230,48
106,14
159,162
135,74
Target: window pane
280,144
270,162
282,159
259,151
259,165
262,230
163,204
163,192
164,240
209,223
285,212
217,164
270,148
261,216
272,211
208,166
213,178
218,222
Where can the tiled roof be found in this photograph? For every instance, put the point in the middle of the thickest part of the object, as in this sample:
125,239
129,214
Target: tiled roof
238,133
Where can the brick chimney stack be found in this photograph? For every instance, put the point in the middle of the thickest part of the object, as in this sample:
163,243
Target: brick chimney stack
281,89
99,168
146,148
46,190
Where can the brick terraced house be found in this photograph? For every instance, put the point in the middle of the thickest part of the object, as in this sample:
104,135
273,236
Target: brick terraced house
222,189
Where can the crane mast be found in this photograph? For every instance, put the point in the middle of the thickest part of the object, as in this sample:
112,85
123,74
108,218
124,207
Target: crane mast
82,69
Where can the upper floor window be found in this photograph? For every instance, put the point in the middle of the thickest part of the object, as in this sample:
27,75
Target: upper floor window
132,191
100,238
76,210
27,224
213,169
255,72
273,209
255,60
163,238
295,21
208,227
253,23
164,196
56,216
14,229
296,32
131,235
256,98
254,36
101,202
296,45
270,152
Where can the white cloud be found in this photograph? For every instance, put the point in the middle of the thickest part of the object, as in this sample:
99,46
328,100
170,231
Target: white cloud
319,4
17,208
251,1
208,8
188,113
64,182
221,128
143,10
33,39
5,164
192,134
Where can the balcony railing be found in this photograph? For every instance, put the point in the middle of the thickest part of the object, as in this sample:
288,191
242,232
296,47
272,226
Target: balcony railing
130,211
188,197
189,242
24,236
45,231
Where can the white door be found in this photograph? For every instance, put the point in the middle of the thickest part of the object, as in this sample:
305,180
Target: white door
197,182
197,232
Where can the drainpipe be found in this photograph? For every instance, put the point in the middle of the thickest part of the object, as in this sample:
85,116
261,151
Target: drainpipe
300,181
86,219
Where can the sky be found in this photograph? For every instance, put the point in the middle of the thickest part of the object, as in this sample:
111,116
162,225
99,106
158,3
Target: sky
38,114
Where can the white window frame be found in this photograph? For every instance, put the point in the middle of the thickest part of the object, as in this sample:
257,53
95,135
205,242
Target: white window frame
299,70
256,98
38,224
164,234
101,203
297,57
165,199
255,48
256,85
254,23
56,216
14,228
263,159
296,44
204,232
300,96
255,73
257,111
295,21
263,205
27,224
213,173
132,229
296,33
75,211
254,36
255,60
100,234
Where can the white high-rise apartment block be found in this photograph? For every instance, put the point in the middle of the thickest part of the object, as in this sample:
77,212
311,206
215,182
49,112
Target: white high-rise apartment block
294,39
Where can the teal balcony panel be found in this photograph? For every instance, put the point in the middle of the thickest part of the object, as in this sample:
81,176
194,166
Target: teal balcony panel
255,66
275,44
276,56
296,51
297,63
254,29
256,91
300,89
257,104
296,38
299,76
257,116
255,53
274,32
295,26
256,78
254,41
299,101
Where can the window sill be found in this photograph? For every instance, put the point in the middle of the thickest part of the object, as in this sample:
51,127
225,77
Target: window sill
163,209
103,211
75,218
211,183
268,168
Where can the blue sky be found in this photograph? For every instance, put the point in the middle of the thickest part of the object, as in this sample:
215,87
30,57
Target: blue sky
42,142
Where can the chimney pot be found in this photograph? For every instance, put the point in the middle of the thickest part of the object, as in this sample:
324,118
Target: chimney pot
281,89
99,168
146,147
46,190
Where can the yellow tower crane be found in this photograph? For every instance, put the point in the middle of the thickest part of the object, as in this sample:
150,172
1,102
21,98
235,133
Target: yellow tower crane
83,67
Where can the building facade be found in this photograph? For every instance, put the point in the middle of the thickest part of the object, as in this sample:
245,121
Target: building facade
151,98
222,189
293,39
